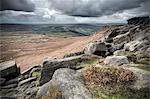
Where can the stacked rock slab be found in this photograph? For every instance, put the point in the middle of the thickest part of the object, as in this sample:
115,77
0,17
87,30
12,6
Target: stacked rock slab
50,66
9,70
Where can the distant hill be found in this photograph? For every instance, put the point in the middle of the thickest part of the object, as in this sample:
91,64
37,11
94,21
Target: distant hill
53,29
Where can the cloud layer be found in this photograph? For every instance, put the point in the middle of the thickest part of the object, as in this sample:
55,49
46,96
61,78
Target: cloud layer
92,8
68,11
17,5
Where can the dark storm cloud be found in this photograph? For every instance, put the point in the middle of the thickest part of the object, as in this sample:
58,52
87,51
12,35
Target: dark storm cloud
17,5
93,8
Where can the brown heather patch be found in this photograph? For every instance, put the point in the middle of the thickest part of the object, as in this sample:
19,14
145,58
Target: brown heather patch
104,76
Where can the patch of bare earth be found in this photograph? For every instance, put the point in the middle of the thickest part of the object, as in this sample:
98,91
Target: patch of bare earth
30,49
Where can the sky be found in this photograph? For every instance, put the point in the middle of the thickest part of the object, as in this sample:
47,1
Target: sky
71,11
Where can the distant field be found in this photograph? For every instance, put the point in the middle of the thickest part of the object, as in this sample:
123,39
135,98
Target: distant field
53,29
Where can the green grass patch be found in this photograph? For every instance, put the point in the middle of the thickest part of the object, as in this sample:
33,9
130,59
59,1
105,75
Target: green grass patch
36,74
143,66
99,93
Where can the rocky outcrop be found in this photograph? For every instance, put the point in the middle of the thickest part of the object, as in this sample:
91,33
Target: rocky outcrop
49,67
9,70
96,48
15,85
68,82
116,60
139,20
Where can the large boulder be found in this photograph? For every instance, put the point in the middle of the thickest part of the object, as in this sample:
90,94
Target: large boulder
96,48
142,78
9,70
116,60
50,66
68,82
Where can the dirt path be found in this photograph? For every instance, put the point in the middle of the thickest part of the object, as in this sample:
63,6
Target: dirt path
31,49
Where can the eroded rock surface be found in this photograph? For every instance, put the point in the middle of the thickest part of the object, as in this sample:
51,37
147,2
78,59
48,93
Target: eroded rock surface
69,82
9,70
50,66
96,48
116,60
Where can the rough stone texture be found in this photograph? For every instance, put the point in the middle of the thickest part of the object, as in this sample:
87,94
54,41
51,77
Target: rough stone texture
2,80
136,45
121,39
116,60
9,86
96,48
69,82
49,67
13,81
143,78
139,20
9,70
27,81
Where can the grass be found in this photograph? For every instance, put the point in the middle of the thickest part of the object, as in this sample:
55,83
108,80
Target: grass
36,74
54,93
147,68
142,66
88,61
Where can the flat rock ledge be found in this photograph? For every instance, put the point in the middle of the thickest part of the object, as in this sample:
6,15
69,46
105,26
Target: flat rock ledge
49,67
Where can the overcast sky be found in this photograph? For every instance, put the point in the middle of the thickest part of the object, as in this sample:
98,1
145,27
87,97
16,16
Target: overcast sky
71,11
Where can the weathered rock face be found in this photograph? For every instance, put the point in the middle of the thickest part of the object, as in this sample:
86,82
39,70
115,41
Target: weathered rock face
116,60
96,48
69,82
142,78
139,20
49,67
135,40
9,70
117,31
2,81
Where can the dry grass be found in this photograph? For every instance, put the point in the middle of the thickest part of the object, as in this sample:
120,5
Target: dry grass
54,94
108,82
108,76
